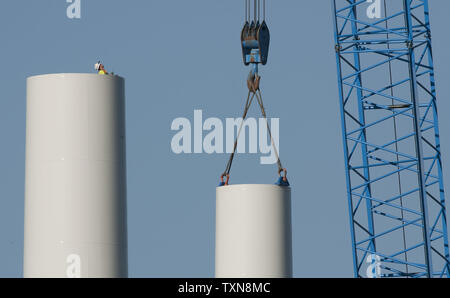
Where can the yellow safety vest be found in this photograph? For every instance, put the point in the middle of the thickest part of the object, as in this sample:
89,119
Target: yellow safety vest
102,72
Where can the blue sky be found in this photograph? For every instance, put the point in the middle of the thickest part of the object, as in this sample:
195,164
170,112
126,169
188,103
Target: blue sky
178,56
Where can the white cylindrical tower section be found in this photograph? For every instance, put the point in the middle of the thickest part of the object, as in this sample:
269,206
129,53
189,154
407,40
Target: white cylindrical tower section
253,231
75,186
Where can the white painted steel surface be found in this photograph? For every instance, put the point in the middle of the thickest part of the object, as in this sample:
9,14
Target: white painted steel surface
75,189
253,232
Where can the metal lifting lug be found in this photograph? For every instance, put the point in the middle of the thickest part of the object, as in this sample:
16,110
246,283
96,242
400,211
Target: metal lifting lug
255,40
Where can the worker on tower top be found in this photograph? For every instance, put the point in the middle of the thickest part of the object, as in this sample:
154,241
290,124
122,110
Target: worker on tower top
100,68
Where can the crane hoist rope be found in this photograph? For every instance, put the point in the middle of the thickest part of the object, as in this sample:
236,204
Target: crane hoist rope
255,40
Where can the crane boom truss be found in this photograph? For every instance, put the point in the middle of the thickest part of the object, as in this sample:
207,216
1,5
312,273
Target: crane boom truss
391,138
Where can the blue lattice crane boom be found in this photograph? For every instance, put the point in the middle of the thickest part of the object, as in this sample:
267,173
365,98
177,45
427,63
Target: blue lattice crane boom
393,166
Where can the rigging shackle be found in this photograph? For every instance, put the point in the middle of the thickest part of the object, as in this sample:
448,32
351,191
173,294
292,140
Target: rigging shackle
253,81
224,182
280,172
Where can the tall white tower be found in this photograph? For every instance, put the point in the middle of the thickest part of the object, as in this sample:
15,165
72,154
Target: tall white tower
253,231
75,188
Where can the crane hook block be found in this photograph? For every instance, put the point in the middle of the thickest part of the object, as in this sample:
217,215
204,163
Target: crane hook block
255,39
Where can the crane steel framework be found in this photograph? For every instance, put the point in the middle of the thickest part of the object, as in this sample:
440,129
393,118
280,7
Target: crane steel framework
391,138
